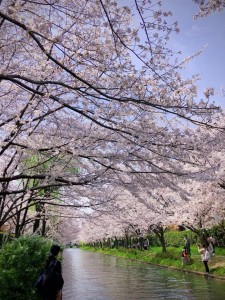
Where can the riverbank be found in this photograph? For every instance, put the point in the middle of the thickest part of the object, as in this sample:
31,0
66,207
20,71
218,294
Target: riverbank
171,259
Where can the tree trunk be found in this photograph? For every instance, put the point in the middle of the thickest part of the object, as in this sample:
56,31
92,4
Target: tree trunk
36,226
160,234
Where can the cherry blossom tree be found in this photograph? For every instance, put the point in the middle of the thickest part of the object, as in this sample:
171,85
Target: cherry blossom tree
205,206
206,7
100,97
198,203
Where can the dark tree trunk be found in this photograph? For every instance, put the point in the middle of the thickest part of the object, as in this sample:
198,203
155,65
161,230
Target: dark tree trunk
160,234
37,222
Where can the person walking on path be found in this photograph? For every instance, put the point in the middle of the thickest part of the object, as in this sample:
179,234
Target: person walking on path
53,291
205,256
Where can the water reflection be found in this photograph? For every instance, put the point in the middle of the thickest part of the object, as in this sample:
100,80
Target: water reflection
90,276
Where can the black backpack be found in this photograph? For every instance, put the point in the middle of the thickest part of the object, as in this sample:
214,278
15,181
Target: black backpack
46,278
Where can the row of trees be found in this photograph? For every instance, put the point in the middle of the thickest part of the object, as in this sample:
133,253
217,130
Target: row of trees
98,124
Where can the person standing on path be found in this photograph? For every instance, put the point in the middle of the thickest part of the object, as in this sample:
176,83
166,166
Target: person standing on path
53,291
184,257
205,256
187,245
146,244
212,242
141,242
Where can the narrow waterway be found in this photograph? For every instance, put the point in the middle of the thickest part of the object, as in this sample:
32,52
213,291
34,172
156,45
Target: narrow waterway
94,276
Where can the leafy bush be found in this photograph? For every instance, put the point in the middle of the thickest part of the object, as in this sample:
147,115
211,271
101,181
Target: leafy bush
169,254
20,262
153,240
218,231
176,238
4,238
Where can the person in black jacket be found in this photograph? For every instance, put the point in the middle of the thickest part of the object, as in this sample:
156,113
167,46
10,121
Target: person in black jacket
56,283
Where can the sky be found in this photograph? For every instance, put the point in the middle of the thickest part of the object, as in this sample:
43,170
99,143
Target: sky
206,33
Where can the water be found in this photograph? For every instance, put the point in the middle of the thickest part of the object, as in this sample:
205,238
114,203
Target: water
94,276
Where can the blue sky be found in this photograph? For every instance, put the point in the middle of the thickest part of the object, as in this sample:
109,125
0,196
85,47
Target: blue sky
195,34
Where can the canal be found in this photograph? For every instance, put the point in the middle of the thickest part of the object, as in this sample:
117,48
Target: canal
94,276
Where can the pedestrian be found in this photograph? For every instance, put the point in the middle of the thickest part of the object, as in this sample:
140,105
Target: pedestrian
146,244
184,257
205,256
187,244
141,242
54,287
211,240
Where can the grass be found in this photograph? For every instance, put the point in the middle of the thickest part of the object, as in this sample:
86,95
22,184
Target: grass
172,258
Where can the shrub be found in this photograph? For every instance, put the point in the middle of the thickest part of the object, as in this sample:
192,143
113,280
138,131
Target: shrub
169,254
218,231
176,238
4,238
20,262
153,240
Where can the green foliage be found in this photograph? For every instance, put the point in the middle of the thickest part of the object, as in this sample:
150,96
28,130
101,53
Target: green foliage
153,240
171,258
21,260
73,170
220,271
4,238
176,238
39,164
218,232
168,254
